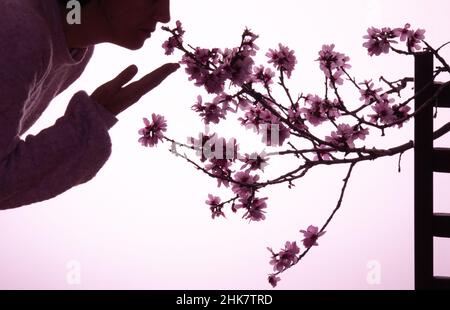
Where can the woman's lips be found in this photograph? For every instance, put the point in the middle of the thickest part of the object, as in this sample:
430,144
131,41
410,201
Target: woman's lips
146,32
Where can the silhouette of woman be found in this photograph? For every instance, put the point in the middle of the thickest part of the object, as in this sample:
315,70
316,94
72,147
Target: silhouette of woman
41,54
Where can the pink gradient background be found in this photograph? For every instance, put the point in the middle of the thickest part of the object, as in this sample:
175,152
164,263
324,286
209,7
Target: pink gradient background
142,222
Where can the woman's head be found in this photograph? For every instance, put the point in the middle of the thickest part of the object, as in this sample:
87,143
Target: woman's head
127,23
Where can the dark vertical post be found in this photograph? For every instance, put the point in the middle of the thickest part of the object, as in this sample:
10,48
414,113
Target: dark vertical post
423,170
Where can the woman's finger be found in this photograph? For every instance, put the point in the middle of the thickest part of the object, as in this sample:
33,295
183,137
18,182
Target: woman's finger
147,83
124,77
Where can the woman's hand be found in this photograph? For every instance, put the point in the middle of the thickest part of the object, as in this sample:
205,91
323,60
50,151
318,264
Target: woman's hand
116,98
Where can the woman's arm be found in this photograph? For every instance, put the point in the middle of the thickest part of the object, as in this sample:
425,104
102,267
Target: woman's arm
64,155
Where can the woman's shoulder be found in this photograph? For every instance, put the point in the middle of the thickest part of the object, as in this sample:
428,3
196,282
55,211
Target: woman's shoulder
24,32
26,45
23,23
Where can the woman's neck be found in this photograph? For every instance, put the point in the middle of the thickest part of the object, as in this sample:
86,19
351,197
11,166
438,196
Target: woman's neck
92,28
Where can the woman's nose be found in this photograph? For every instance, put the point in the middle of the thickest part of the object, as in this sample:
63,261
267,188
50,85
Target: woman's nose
163,12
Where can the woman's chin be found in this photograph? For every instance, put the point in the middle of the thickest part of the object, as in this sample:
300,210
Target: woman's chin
137,46
134,45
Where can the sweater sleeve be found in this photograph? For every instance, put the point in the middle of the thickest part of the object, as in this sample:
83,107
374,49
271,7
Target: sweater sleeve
69,153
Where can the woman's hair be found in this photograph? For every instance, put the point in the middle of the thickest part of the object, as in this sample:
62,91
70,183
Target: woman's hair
82,2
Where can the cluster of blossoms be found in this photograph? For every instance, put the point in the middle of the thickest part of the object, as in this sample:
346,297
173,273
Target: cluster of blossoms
287,257
219,155
381,40
211,68
320,110
241,87
176,41
346,135
386,111
333,64
282,59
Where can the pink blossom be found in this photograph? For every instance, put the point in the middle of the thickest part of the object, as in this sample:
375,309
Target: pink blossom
291,248
360,132
205,56
336,79
198,67
400,113
330,59
311,235
286,258
170,45
213,200
153,132
238,66
255,161
412,37
220,168
320,110
226,100
175,41
273,280
322,155
263,75
343,137
383,110
379,41
264,122
369,94
215,206
333,63
214,82
211,112
244,104
386,113
403,33
179,28
314,114
255,117
254,207
296,119
283,59
331,108
245,183
248,41
346,135
415,38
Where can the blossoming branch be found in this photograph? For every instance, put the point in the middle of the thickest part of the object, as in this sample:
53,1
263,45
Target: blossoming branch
239,86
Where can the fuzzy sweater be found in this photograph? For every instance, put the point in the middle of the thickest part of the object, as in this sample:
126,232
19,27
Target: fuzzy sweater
35,66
